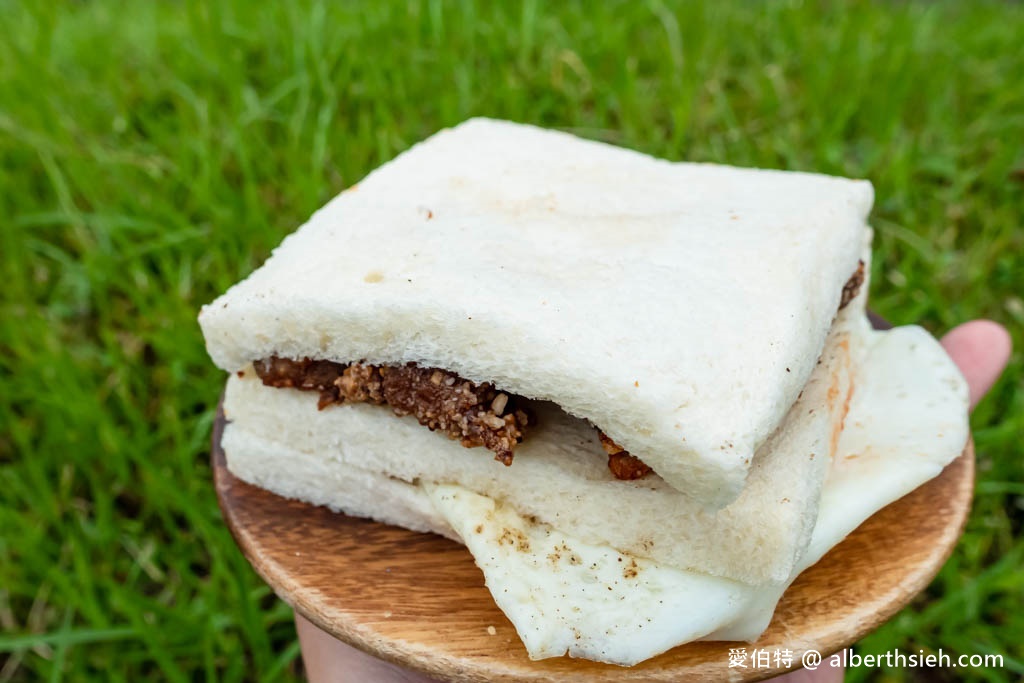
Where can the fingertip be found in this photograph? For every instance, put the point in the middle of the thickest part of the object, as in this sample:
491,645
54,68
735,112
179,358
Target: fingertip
981,349
981,337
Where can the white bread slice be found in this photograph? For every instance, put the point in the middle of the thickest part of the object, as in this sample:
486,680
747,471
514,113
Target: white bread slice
679,307
560,474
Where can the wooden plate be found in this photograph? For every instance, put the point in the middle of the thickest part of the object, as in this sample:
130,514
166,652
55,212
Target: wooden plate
419,600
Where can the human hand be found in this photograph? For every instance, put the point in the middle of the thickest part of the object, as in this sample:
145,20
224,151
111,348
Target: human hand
980,349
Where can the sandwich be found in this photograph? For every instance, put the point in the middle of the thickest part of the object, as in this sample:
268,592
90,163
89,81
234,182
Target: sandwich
643,394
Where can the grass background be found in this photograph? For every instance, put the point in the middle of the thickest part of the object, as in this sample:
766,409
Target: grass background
153,153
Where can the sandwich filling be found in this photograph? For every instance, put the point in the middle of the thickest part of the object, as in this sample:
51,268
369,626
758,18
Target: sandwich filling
473,414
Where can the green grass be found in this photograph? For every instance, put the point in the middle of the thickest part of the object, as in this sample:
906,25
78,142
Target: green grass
152,154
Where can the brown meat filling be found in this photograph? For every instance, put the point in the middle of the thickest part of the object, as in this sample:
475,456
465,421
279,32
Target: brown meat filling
852,286
475,414
620,462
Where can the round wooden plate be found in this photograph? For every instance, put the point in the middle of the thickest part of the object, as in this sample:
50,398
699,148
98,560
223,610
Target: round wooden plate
419,600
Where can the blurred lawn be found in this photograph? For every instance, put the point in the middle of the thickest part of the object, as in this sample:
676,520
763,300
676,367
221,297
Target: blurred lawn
152,154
